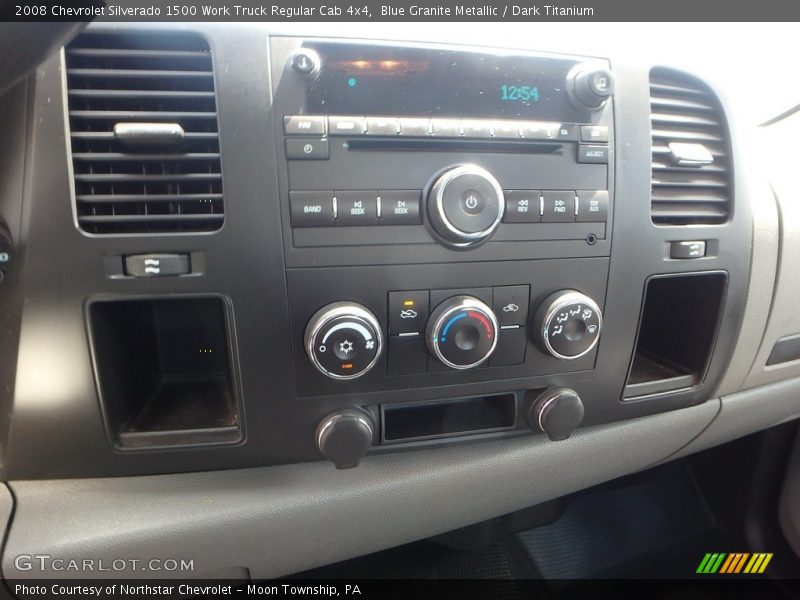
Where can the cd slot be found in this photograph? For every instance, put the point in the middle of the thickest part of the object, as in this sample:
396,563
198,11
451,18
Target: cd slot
439,145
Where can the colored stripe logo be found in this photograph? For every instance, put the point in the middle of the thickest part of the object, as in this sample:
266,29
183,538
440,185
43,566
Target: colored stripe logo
734,563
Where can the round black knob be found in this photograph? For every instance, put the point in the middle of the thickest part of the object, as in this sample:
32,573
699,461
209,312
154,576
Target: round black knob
567,325
462,332
306,62
344,437
465,205
343,340
589,86
557,412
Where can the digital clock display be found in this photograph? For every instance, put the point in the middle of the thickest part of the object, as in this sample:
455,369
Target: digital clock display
519,93
359,79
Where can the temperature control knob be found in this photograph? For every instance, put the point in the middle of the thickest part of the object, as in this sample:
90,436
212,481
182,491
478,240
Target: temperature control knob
462,332
465,205
567,324
343,340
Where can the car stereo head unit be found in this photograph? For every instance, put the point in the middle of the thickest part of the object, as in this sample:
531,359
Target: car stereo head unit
398,145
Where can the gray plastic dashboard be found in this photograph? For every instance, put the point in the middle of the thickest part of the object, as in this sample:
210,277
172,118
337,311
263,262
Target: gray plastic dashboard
221,518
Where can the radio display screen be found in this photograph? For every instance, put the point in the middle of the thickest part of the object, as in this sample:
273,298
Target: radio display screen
359,79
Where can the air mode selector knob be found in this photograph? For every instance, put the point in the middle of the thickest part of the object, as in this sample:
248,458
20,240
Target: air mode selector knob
462,332
465,205
567,325
343,340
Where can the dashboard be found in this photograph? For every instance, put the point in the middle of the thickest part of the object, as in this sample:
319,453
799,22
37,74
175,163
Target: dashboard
246,250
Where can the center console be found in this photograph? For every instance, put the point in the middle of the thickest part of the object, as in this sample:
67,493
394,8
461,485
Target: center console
447,217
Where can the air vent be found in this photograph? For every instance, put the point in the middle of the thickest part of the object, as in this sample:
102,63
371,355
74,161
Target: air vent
143,126
691,179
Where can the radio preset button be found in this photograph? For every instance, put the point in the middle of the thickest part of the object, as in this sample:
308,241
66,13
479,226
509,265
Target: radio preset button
415,127
507,130
356,208
298,148
594,133
346,125
592,206
446,127
522,206
408,311
312,209
592,153
558,207
399,207
536,130
382,126
476,129
304,125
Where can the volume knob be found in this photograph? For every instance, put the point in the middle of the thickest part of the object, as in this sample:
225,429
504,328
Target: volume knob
465,205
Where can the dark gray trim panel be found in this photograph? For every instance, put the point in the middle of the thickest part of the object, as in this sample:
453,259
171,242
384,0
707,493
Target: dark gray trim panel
279,520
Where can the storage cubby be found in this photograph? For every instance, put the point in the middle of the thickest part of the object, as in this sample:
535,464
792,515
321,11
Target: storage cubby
677,330
467,416
164,371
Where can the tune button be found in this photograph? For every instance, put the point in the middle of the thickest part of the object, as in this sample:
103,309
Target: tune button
343,340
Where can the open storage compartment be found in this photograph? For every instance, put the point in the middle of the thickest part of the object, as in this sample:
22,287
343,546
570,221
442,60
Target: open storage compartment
447,418
164,371
679,323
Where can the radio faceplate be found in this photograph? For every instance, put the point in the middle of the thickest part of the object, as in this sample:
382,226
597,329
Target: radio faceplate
365,132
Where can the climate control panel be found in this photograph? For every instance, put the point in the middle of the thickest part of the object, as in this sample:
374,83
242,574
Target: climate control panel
473,331
383,328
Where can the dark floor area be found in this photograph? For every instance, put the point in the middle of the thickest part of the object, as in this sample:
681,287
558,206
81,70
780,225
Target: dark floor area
640,527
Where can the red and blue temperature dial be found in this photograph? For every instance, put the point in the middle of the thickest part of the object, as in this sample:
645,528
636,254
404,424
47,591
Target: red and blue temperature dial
462,332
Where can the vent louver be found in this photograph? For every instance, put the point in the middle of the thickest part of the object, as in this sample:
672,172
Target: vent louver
138,180
691,172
